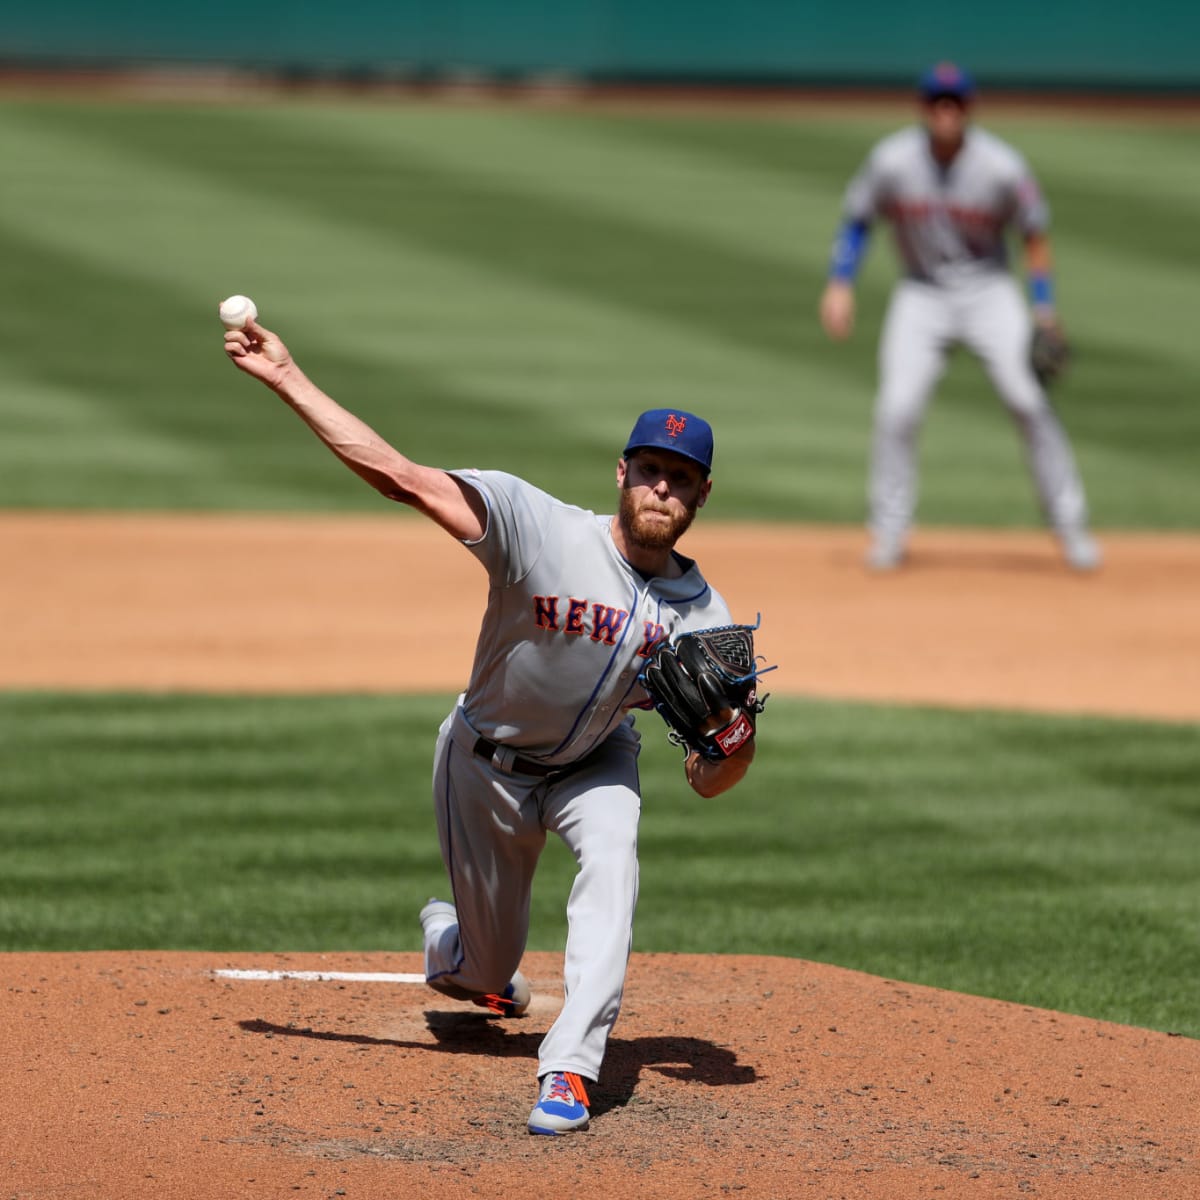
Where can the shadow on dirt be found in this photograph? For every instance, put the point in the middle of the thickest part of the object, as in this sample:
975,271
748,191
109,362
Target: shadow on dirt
686,1058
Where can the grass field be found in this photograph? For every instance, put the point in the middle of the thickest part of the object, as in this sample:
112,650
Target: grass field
1062,875
509,287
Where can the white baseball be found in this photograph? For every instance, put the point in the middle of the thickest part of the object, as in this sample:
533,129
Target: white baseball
236,311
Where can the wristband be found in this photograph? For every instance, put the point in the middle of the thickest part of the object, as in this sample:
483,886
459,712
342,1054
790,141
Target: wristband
1041,289
848,249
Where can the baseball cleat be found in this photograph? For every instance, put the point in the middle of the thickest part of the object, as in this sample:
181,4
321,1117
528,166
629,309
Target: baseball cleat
1080,550
439,915
562,1105
885,554
512,1002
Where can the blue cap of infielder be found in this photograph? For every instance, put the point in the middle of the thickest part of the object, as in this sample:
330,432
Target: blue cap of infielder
947,79
676,430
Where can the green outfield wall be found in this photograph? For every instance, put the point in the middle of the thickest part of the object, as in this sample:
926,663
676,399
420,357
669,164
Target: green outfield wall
1038,43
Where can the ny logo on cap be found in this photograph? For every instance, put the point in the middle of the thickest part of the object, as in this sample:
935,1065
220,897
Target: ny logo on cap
676,425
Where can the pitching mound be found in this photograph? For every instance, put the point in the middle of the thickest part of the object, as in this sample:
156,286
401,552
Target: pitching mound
152,1076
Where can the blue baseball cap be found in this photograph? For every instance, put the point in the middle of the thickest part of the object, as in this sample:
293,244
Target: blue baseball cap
947,79
676,430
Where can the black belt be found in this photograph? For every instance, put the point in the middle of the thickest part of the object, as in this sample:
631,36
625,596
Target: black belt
520,766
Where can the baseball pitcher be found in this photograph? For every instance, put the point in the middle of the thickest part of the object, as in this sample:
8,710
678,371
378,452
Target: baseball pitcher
951,192
579,606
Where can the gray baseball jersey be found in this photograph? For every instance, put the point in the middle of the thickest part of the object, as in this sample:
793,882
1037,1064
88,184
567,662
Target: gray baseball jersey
948,221
569,623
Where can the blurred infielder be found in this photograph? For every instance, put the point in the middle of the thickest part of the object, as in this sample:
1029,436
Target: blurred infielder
543,738
951,191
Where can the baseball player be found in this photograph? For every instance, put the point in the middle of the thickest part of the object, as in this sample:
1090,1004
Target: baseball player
951,191
543,737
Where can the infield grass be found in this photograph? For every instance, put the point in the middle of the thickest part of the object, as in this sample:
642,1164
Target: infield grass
509,287
1050,861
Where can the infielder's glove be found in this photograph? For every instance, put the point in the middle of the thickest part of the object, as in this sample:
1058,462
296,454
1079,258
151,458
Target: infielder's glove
705,686
1049,353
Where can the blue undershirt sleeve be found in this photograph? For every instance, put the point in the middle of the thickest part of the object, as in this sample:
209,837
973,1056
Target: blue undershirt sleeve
848,249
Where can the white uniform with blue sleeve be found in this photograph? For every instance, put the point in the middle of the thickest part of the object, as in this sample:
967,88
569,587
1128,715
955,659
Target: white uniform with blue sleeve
543,739
950,224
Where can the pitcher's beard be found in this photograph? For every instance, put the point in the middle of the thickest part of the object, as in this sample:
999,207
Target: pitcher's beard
652,535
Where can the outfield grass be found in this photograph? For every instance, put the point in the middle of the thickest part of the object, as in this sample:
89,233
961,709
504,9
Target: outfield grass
1049,861
509,287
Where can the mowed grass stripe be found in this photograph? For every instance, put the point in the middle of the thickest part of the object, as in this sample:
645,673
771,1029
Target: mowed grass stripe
499,361
484,347
665,187
1049,861
465,371
526,235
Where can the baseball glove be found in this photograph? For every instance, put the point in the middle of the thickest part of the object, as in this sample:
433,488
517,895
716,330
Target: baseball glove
1049,353
705,686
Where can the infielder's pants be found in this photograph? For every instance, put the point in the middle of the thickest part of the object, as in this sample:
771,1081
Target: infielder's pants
991,319
492,828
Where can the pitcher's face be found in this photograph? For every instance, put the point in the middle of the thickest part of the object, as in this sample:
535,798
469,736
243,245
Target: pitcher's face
660,494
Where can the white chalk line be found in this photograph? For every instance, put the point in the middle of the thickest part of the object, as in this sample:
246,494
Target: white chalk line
322,976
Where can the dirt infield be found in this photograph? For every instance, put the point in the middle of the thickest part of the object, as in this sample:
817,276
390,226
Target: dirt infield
150,1076
282,604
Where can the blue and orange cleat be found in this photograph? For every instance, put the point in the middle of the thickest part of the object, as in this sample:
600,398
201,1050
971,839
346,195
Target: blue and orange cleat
562,1105
512,1002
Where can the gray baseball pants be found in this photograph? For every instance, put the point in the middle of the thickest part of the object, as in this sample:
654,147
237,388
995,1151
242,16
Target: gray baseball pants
492,828
987,315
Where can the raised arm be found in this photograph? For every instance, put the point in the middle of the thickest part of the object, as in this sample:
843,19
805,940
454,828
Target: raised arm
456,507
